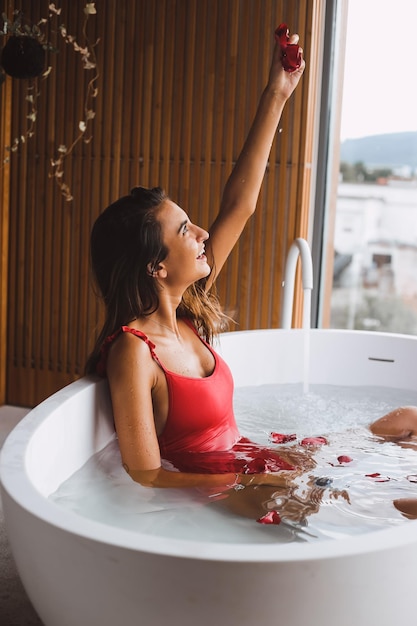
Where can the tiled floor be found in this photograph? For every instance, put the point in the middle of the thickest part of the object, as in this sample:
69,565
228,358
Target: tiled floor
15,607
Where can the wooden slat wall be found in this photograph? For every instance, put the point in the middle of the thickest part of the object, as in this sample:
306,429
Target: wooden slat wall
5,129
178,88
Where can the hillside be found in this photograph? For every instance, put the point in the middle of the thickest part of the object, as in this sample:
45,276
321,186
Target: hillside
390,150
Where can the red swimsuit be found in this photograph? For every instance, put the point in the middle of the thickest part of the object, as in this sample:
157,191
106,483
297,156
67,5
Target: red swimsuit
201,434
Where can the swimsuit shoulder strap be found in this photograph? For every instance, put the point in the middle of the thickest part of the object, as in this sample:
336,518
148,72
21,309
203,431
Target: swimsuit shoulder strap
141,335
101,366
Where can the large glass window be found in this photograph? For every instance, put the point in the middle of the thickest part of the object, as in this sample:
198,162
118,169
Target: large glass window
373,258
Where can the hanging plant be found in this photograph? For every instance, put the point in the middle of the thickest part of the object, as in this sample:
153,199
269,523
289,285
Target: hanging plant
24,57
24,53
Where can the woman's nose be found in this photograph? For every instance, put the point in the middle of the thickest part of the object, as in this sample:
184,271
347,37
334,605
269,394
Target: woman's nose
201,233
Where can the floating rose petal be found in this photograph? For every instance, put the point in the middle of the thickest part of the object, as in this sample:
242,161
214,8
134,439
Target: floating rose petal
378,477
314,441
280,438
343,458
270,518
291,55
412,478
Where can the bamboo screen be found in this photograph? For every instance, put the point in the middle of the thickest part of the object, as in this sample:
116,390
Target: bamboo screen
178,88
5,108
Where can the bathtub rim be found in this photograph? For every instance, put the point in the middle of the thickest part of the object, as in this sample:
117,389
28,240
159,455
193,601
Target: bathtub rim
15,481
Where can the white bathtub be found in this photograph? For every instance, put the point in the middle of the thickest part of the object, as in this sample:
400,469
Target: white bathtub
78,572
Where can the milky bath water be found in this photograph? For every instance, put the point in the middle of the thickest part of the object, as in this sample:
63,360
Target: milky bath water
350,491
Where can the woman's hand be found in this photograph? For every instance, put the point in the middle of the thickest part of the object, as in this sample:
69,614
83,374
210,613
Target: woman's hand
280,81
280,479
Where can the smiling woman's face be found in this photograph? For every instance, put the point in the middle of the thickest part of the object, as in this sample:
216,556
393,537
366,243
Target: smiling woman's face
186,261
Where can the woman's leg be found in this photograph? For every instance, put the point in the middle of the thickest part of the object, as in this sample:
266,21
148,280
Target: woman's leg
400,426
397,425
291,503
407,506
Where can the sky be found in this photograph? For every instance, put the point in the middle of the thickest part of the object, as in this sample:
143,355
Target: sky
380,80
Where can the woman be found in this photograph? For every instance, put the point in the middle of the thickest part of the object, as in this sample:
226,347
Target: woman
171,393
400,426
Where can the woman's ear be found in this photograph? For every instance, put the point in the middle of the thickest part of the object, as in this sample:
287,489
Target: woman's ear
150,269
157,271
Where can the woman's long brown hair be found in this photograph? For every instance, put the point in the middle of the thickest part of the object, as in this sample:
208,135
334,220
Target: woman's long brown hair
125,240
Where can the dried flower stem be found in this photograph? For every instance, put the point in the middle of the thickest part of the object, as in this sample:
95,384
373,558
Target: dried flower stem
32,94
89,60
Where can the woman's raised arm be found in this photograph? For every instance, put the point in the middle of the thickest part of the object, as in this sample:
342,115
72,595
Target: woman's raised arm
242,189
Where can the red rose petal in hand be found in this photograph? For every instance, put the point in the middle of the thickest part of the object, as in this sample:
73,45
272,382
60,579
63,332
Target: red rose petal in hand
314,441
291,55
270,518
280,438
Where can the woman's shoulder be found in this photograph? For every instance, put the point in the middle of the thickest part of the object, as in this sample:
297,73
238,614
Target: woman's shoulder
126,348
130,340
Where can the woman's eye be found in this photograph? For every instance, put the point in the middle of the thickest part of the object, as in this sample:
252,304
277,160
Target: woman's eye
185,229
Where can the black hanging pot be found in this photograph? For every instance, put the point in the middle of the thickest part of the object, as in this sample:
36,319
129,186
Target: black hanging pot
23,57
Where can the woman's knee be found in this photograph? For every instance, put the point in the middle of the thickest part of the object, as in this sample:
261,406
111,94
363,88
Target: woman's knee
398,424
